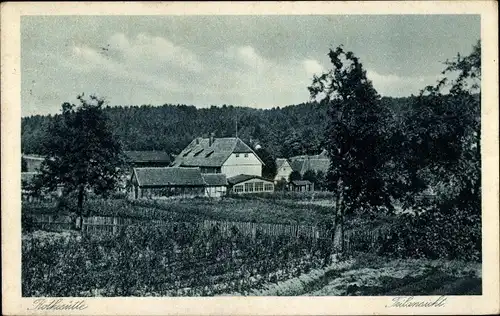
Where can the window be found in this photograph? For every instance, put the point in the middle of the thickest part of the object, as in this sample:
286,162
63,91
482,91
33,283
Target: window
197,153
268,187
246,155
259,186
186,153
248,187
237,155
238,188
209,154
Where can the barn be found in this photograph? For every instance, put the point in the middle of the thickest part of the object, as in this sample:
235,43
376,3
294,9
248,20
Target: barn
247,184
158,182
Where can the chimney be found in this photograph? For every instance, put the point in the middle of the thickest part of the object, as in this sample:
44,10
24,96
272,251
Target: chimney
197,140
211,139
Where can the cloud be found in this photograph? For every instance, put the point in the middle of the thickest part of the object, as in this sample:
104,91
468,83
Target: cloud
149,69
152,50
399,86
245,77
313,67
87,60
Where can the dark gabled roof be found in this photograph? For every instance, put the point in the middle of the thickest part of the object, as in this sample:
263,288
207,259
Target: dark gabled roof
318,164
280,162
304,163
244,177
200,153
147,156
241,147
300,182
297,164
215,179
168,176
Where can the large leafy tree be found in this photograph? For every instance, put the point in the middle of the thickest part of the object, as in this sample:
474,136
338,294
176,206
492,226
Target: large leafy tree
441,153
269,168
81,153
355,137
443,132
295,175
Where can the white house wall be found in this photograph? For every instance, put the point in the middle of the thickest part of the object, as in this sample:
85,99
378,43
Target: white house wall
250,165
215,191
284,172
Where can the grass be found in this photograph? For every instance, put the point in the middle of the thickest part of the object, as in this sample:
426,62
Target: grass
229,209
372,275
256,210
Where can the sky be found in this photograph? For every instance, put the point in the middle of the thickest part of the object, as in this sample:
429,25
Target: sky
255,61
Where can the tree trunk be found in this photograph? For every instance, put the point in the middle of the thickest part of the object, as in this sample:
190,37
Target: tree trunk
342,235
338,214
79,210
335,219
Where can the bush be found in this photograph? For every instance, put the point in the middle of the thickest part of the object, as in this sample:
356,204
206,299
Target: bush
436,233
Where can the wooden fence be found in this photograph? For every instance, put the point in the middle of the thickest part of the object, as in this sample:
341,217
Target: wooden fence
52,222
355,240
100,224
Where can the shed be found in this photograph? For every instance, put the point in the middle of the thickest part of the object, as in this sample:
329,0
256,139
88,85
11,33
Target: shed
156,182
301,186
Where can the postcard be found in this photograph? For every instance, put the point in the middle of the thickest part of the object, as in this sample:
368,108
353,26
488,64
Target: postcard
250,158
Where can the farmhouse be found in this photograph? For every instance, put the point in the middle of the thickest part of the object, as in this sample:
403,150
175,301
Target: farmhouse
230,156
246,184
315,163
137,159
216,184
155,182
301,186
283,170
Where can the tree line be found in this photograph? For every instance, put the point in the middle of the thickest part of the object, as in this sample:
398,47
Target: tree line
283,132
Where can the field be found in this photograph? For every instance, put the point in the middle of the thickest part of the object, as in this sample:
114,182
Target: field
262,210
183,260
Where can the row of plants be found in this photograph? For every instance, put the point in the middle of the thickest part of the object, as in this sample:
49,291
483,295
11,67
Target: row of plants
228,209
247,209
289,195
148,260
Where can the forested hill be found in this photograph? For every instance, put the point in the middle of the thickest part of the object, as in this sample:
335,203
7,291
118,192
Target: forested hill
284,132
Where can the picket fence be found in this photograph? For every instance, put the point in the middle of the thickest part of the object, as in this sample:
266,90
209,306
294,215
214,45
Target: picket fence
100,224
355,239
